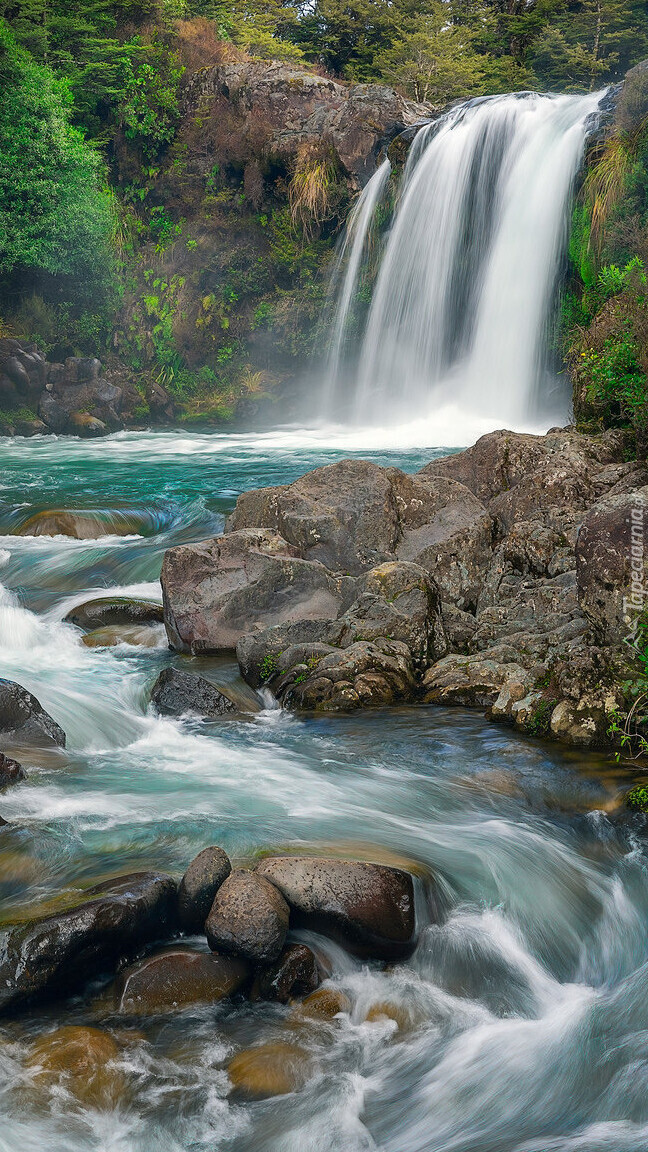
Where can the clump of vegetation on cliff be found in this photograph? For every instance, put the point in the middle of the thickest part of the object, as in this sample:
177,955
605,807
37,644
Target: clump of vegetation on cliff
607,309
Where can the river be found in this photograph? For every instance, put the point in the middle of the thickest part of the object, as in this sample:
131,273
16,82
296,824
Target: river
524,1013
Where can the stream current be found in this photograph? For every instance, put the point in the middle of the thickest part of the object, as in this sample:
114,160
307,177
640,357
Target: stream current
523,1013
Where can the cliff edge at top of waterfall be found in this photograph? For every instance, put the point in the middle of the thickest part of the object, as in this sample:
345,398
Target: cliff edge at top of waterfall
299,109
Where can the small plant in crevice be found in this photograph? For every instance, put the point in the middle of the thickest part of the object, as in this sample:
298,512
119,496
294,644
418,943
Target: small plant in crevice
629,727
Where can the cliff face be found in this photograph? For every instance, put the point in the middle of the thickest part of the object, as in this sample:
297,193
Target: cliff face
298,109
224,292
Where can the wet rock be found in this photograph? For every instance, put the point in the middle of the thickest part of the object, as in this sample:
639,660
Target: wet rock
140,636
270,1069
324,1004
30,427
248,918
175,693
11,772
386,1010
294,974
368,907
469,681
81,1060
83,424
219,590
177,978
612,566
49,957
109,611
199,886
78,525
348,662
363,675
23,720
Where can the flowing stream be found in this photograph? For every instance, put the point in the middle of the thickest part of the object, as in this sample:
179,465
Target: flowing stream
465,290
523,1013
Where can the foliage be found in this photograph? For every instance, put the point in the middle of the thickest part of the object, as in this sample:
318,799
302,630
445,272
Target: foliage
148,105
629,729
55,216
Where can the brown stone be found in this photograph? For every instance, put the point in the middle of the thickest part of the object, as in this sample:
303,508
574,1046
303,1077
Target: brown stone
248,918
368,907
177,978
325,1004
11,772
270,1069
218,590
79,1059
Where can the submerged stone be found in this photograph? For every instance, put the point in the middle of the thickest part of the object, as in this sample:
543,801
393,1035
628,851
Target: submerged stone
176,979
118,610
270,1069
81,1060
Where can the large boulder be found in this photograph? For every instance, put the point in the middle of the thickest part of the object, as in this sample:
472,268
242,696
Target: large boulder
500,461
447,531
349,661
49,957
85,525
176,693
107,611
23,720
612,565
177,978
471,681
368,907
326,679
248,918
343,515
218,590
199,886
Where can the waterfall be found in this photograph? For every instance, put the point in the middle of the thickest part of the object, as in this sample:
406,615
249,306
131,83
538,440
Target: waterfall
466,285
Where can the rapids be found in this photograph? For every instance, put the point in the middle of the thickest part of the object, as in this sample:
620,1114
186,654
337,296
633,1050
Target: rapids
525,1010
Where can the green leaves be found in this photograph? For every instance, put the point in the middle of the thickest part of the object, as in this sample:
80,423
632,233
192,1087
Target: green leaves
54,214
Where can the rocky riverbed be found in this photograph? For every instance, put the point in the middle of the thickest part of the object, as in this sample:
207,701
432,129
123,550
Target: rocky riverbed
226,923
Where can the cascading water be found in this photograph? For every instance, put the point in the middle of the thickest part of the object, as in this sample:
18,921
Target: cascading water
466,285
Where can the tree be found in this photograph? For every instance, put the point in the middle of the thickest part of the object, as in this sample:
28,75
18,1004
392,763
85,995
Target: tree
433,61
54,216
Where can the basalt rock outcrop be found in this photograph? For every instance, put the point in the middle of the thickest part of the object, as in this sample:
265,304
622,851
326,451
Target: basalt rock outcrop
507,577
298,108
76,398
